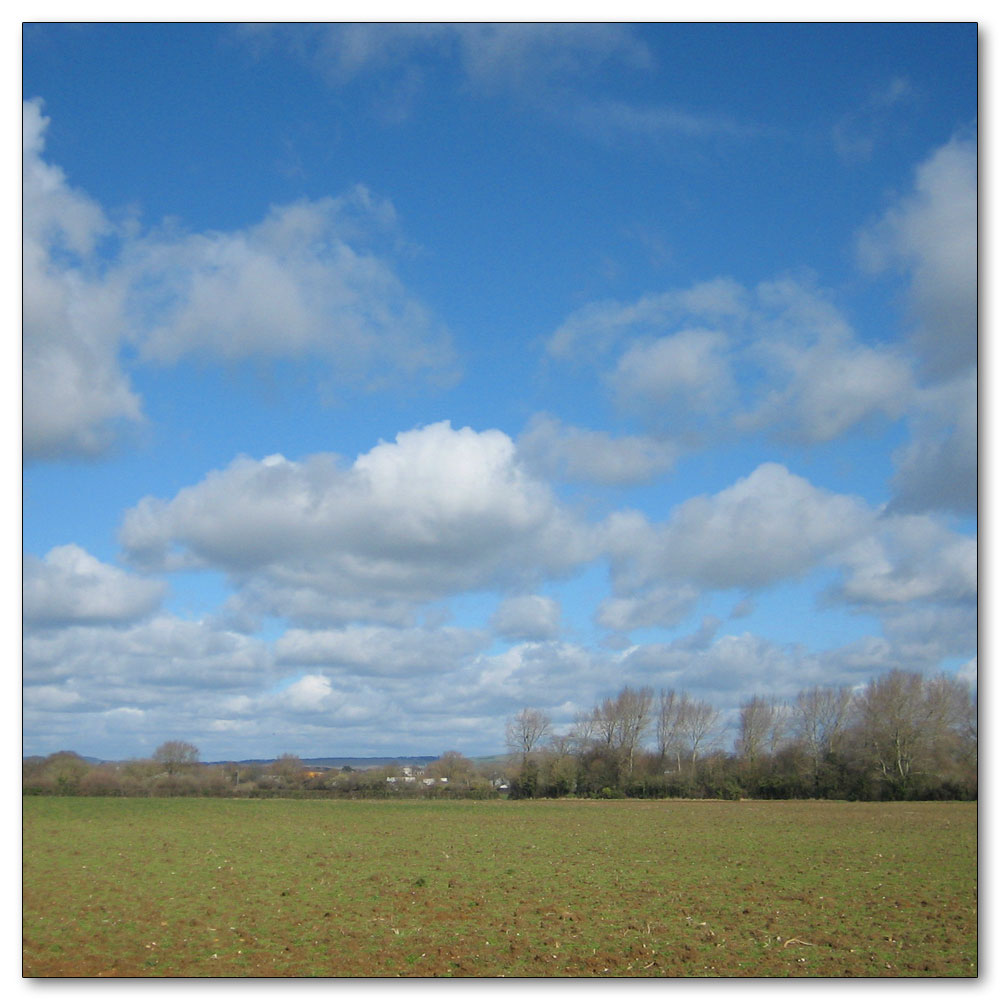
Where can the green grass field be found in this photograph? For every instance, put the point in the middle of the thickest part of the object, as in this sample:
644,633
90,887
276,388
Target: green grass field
203,887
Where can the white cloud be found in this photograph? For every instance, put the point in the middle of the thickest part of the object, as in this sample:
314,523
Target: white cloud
362,650
153,663
910,559
931,233
661,606
312,693
75,392
527,617
779,358
938,469
768,527
313,280
70,585
832,387
818,380
969,673
51,698
913,573
686,372
599,326
771,525
557,450
543,674
297,284
926,634
436,512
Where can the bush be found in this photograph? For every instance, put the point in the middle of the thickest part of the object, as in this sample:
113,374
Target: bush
607,792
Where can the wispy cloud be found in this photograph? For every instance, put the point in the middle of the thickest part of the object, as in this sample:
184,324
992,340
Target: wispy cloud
611,120
549,68
857,133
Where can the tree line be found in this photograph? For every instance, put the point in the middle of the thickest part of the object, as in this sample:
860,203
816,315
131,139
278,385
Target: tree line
175,769
901,736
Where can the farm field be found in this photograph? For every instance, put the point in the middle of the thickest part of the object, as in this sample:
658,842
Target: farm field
207,887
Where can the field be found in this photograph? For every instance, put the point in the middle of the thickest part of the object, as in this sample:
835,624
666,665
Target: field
203,887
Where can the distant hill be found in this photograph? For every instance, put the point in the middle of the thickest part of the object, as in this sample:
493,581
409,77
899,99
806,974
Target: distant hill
38,758
358,763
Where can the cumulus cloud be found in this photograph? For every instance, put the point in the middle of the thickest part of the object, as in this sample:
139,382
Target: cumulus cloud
931,235
312,693
774,526
76,393
600,326
550,675
771,525
297,284
363,650
767,527
687,372
938,468
816,379
724,669
662,606
435,512
150,663
51,698
71,586
829,388
527,617
779,358
312,280
910,559
556,450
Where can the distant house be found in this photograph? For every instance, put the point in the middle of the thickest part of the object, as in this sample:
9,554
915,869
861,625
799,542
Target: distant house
409,775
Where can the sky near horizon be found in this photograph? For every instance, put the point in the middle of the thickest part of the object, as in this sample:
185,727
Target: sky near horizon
381,380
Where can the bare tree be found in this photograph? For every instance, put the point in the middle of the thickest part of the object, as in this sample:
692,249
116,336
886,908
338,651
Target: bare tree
620,723
453,767
763,724
820,719
698,727
635,708
525,732
668,739
288,769
176,755
909,725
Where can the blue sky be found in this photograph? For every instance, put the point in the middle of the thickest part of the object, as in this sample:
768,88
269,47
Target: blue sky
380,380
